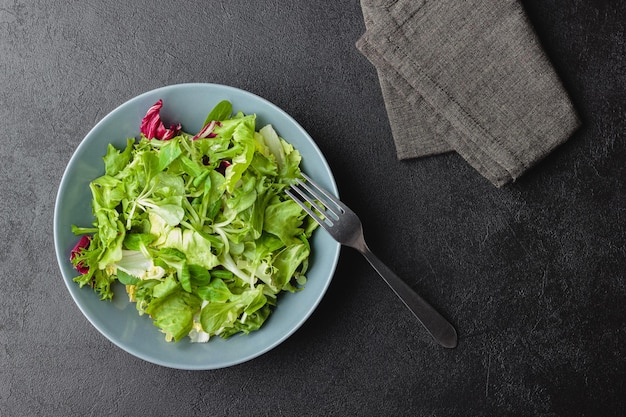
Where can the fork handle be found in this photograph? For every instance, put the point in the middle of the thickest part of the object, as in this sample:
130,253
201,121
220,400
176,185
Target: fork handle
439,328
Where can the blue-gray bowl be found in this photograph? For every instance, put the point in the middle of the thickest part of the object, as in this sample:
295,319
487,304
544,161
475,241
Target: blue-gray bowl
118,320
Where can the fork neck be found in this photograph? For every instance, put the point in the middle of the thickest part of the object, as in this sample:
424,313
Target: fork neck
358,243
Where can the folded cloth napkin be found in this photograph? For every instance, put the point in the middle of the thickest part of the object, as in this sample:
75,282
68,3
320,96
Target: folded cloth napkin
466,76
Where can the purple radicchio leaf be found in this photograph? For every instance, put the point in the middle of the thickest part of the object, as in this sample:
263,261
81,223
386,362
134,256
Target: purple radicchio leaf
222,168
207,130
83,243
152,127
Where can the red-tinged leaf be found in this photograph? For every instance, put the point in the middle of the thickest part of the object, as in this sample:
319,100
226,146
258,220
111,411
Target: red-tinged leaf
207,131
83,243
152,127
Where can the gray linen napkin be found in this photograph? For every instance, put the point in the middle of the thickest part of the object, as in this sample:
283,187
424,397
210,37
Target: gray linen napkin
468,76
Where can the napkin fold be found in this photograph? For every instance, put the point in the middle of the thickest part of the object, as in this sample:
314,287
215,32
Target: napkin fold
467,76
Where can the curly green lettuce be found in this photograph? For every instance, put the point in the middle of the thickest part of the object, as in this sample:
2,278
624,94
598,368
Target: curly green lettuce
197,227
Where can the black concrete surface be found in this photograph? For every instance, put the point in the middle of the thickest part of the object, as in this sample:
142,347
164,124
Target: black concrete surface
532,275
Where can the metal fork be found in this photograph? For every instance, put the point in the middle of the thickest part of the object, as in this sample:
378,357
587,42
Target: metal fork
346,228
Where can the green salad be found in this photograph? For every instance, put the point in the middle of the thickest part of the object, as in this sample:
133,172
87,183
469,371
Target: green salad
197,227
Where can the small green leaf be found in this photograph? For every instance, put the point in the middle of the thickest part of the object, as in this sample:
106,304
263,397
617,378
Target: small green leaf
126,279
190,167
221,274
135,241
173,313
114,161
199,275
216,291
215,316
221,111
169,153
171,213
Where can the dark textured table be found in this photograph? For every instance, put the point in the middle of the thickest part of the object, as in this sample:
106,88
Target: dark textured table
532,275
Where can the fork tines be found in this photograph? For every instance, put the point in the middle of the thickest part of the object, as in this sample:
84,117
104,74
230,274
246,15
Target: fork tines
319,201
